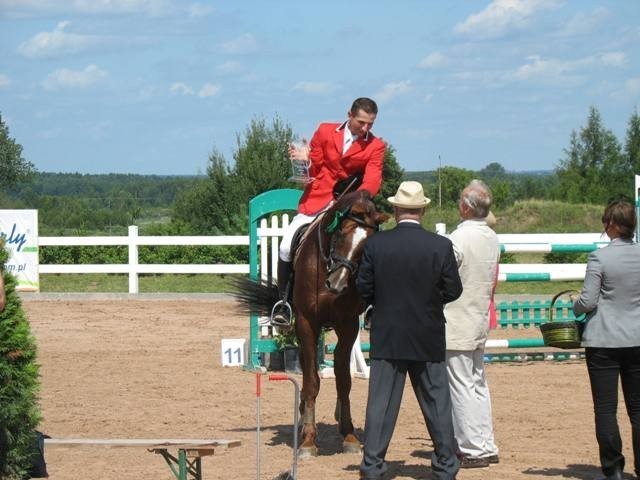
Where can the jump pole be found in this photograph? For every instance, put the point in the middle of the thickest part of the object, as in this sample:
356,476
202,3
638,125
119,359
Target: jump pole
274,377
258,382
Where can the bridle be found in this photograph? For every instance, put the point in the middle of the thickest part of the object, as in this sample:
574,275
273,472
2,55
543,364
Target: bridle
334,261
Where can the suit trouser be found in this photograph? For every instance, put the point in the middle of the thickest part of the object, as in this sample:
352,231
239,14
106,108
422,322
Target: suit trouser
430,385
605,366
471,403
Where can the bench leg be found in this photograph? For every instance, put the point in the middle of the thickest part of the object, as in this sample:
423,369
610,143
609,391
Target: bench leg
186,469
182,464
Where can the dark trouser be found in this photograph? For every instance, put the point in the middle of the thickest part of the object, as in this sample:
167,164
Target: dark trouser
431,386
605,366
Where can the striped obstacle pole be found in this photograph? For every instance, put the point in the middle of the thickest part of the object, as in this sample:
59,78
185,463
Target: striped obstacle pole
533,272
491,343
533,356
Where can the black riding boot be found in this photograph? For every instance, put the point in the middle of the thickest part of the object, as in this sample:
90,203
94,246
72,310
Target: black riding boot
281,313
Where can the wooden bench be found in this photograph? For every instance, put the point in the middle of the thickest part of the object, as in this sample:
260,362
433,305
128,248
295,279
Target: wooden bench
182,455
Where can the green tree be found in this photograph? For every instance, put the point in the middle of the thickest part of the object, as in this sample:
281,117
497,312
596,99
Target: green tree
211,206
262,162
593,169
632,144
493,171
13,168
219,204
19,412
500,193
392,175
452,180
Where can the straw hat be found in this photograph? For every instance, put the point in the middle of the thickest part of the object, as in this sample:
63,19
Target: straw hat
409,195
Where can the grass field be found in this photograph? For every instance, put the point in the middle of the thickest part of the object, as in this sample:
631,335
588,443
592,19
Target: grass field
112,283
206,283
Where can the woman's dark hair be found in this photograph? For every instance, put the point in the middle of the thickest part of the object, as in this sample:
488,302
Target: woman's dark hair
623,215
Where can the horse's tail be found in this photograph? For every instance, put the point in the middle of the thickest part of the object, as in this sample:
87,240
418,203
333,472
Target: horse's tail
255,296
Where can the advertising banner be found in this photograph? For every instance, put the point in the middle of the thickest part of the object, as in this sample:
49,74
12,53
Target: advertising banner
19,230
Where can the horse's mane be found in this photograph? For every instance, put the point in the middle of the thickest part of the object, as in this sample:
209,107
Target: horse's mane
351,198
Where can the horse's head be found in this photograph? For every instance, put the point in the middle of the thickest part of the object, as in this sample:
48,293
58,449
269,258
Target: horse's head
348,223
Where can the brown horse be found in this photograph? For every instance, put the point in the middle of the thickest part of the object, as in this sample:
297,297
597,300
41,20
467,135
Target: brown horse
324,296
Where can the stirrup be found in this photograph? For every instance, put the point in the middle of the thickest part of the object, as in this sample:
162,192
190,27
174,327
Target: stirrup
280,320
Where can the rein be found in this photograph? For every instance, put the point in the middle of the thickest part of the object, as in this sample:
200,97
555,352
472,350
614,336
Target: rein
334,261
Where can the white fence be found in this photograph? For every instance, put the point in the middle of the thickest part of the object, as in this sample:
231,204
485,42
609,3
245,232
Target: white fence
511,243
132,241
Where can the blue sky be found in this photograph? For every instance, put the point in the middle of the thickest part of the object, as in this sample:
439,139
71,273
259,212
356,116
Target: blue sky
153,86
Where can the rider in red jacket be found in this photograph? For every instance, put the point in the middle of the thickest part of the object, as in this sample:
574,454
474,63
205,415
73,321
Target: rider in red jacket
341,154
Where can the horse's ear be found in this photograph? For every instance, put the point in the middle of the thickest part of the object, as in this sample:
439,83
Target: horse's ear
381,218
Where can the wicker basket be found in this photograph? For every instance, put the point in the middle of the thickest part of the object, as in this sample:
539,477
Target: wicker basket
562,334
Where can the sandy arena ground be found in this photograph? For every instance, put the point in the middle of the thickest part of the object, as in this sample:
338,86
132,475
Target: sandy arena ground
148,368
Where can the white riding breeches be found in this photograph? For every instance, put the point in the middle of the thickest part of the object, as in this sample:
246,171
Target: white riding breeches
285,244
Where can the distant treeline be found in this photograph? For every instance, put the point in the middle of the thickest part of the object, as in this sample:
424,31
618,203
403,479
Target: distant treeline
93,203
147,190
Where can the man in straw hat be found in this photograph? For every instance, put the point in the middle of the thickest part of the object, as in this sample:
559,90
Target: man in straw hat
408,274
477,253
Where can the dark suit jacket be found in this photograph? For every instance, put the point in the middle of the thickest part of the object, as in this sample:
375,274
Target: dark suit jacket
408,274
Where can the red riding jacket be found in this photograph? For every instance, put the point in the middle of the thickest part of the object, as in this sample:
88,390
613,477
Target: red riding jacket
328,165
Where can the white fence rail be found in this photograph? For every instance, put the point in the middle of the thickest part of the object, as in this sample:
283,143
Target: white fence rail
133,268
511,242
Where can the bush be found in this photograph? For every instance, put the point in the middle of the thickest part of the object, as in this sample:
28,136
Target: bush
19,384
566,257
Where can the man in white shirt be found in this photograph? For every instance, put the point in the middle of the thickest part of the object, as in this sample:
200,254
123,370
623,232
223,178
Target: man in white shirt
477,253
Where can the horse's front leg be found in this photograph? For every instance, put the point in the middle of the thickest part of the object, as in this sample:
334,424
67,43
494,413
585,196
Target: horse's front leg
308,340
347,334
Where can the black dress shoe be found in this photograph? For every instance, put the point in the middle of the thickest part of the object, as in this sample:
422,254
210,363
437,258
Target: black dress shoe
617,475
492,459
364,476
473,462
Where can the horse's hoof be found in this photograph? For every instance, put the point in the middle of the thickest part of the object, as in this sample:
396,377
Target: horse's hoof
307,452
351,445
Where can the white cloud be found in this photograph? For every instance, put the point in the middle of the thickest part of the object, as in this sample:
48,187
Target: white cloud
316,88
209,90
4,81
197,10
180,88
393,89
613,59
147,92
56,43
584,23
503,16
558,71
633,86
245,43
539,67
229,67
433,60
65,78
